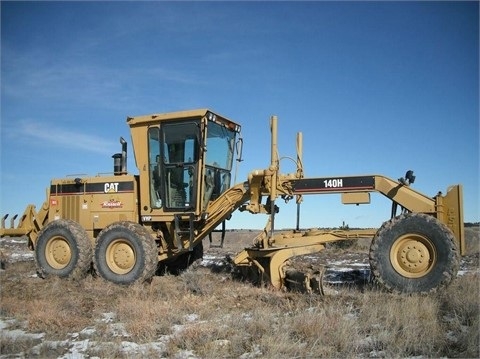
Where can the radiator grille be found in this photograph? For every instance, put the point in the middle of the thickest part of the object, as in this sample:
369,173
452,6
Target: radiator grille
71,207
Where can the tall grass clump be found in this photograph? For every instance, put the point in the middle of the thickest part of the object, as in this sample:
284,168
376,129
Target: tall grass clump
401,325
460,311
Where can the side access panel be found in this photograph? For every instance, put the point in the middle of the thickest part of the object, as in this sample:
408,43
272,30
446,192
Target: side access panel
94,202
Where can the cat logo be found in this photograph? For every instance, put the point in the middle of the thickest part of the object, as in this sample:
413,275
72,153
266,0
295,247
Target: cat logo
111,187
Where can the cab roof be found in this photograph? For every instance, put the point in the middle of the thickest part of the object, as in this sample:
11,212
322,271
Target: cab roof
158,117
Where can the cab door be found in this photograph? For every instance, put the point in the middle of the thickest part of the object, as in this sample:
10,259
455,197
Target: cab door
179,154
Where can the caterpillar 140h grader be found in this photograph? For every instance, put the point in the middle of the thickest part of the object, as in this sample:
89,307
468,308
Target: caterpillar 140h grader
126,227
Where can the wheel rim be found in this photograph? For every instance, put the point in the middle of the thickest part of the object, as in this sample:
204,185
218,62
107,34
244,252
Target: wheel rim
413,255
120,256
58,252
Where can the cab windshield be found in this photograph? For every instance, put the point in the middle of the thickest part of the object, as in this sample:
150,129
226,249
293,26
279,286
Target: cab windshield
220,144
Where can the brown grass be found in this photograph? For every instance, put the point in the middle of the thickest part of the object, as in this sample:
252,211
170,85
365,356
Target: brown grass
212,315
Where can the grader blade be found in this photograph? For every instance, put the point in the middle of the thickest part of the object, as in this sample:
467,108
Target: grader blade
265,269
271,257
299,281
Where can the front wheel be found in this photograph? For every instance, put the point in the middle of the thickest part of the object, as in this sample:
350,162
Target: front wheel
414,253
125,253
63,249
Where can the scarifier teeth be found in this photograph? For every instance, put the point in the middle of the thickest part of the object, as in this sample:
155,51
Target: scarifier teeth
3,221
12,221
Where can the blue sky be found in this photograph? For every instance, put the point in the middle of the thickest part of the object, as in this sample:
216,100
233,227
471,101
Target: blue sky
375,88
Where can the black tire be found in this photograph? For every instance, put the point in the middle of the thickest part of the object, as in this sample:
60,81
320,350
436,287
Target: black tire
414,253
63,249
125,253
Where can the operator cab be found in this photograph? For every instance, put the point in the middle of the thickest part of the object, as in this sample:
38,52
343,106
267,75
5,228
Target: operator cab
189,156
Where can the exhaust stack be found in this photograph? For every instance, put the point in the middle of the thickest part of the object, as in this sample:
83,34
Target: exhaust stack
120,160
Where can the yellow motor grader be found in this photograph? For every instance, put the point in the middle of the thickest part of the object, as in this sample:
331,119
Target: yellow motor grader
127,227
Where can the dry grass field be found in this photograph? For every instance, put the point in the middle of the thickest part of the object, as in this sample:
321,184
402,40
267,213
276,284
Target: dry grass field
206,313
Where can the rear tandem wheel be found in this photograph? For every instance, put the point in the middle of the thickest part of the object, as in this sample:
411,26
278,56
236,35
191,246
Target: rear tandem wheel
414,253
125,253
63,249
